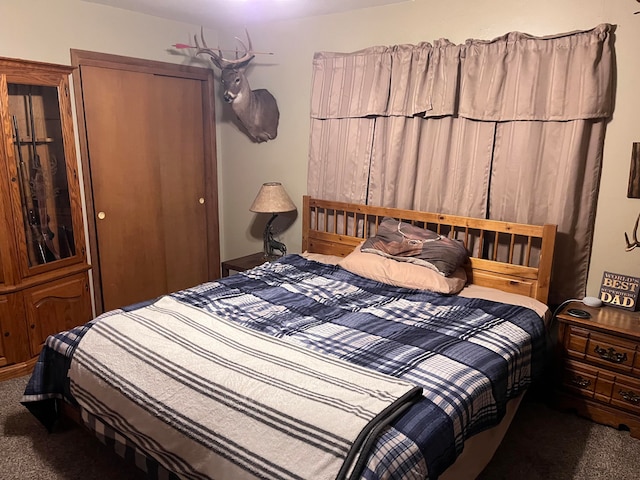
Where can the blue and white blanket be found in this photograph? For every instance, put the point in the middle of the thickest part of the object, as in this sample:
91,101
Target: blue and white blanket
470,356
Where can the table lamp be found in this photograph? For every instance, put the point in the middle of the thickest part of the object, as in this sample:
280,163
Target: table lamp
272,198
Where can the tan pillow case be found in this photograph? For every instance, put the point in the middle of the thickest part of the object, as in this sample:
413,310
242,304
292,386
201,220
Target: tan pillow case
322,258
402,274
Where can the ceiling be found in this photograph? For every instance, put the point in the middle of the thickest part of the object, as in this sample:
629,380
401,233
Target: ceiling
224,12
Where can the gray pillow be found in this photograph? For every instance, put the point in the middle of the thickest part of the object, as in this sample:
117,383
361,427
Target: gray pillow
408,243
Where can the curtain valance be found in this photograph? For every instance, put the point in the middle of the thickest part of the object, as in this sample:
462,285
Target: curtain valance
513,77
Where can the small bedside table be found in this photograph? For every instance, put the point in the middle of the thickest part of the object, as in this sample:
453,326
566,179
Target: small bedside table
247,262
599,365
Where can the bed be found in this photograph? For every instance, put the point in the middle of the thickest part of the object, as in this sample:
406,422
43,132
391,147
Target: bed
349,376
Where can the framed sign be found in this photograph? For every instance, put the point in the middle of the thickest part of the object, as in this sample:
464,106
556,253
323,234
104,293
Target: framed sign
620,290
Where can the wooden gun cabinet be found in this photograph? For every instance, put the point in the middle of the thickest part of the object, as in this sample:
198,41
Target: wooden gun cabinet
44,286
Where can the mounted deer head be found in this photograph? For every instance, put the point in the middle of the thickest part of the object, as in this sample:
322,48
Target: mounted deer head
257,110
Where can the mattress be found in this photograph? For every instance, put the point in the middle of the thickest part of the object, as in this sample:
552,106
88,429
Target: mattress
470,356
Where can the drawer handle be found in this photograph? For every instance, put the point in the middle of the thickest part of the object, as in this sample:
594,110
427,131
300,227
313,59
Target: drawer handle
581,382
611,355
630,396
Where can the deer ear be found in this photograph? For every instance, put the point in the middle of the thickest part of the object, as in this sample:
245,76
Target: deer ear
243,66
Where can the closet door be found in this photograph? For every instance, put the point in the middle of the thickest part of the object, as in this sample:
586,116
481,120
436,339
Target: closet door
182,180
154,214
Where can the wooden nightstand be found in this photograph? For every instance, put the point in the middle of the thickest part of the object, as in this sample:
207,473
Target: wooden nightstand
247,262
599,361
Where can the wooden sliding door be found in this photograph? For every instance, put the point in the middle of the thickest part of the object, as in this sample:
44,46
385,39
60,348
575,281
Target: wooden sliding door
148,140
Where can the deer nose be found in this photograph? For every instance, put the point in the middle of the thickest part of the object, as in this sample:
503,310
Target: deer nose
228,97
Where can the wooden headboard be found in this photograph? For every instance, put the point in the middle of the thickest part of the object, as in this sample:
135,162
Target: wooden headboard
512,257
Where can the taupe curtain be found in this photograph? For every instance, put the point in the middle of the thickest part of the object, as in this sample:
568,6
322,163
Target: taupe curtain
509,129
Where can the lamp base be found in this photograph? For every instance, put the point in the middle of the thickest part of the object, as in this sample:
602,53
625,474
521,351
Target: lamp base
270,244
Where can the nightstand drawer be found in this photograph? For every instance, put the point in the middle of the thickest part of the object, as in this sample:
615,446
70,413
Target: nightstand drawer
611,351
575,341
626,394
602,349
615,389
580,378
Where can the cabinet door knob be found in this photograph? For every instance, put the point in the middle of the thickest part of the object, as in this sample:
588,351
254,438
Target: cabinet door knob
201,200
101,215
6,334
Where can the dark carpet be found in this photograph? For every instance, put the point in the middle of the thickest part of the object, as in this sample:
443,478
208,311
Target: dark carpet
29,452
542,443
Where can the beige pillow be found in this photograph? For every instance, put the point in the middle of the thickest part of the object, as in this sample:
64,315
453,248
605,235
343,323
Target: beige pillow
402,274
322,258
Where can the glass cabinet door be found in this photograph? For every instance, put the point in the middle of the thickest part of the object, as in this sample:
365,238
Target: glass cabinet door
45,201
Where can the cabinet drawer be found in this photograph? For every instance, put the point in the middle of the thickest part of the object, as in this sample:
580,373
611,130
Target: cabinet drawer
611,351
626,394
601,349
575,341
580,378
617,390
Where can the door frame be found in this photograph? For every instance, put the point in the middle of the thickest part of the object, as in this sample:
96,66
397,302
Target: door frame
80,58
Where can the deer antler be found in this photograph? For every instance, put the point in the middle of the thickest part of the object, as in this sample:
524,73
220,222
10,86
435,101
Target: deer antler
635,243
218,58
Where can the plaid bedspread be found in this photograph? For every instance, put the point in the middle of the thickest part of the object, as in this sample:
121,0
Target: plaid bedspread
470,356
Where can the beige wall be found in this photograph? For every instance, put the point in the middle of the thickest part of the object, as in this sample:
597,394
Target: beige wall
245,166
45,30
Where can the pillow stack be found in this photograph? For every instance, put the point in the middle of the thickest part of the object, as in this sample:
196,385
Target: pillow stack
404,255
